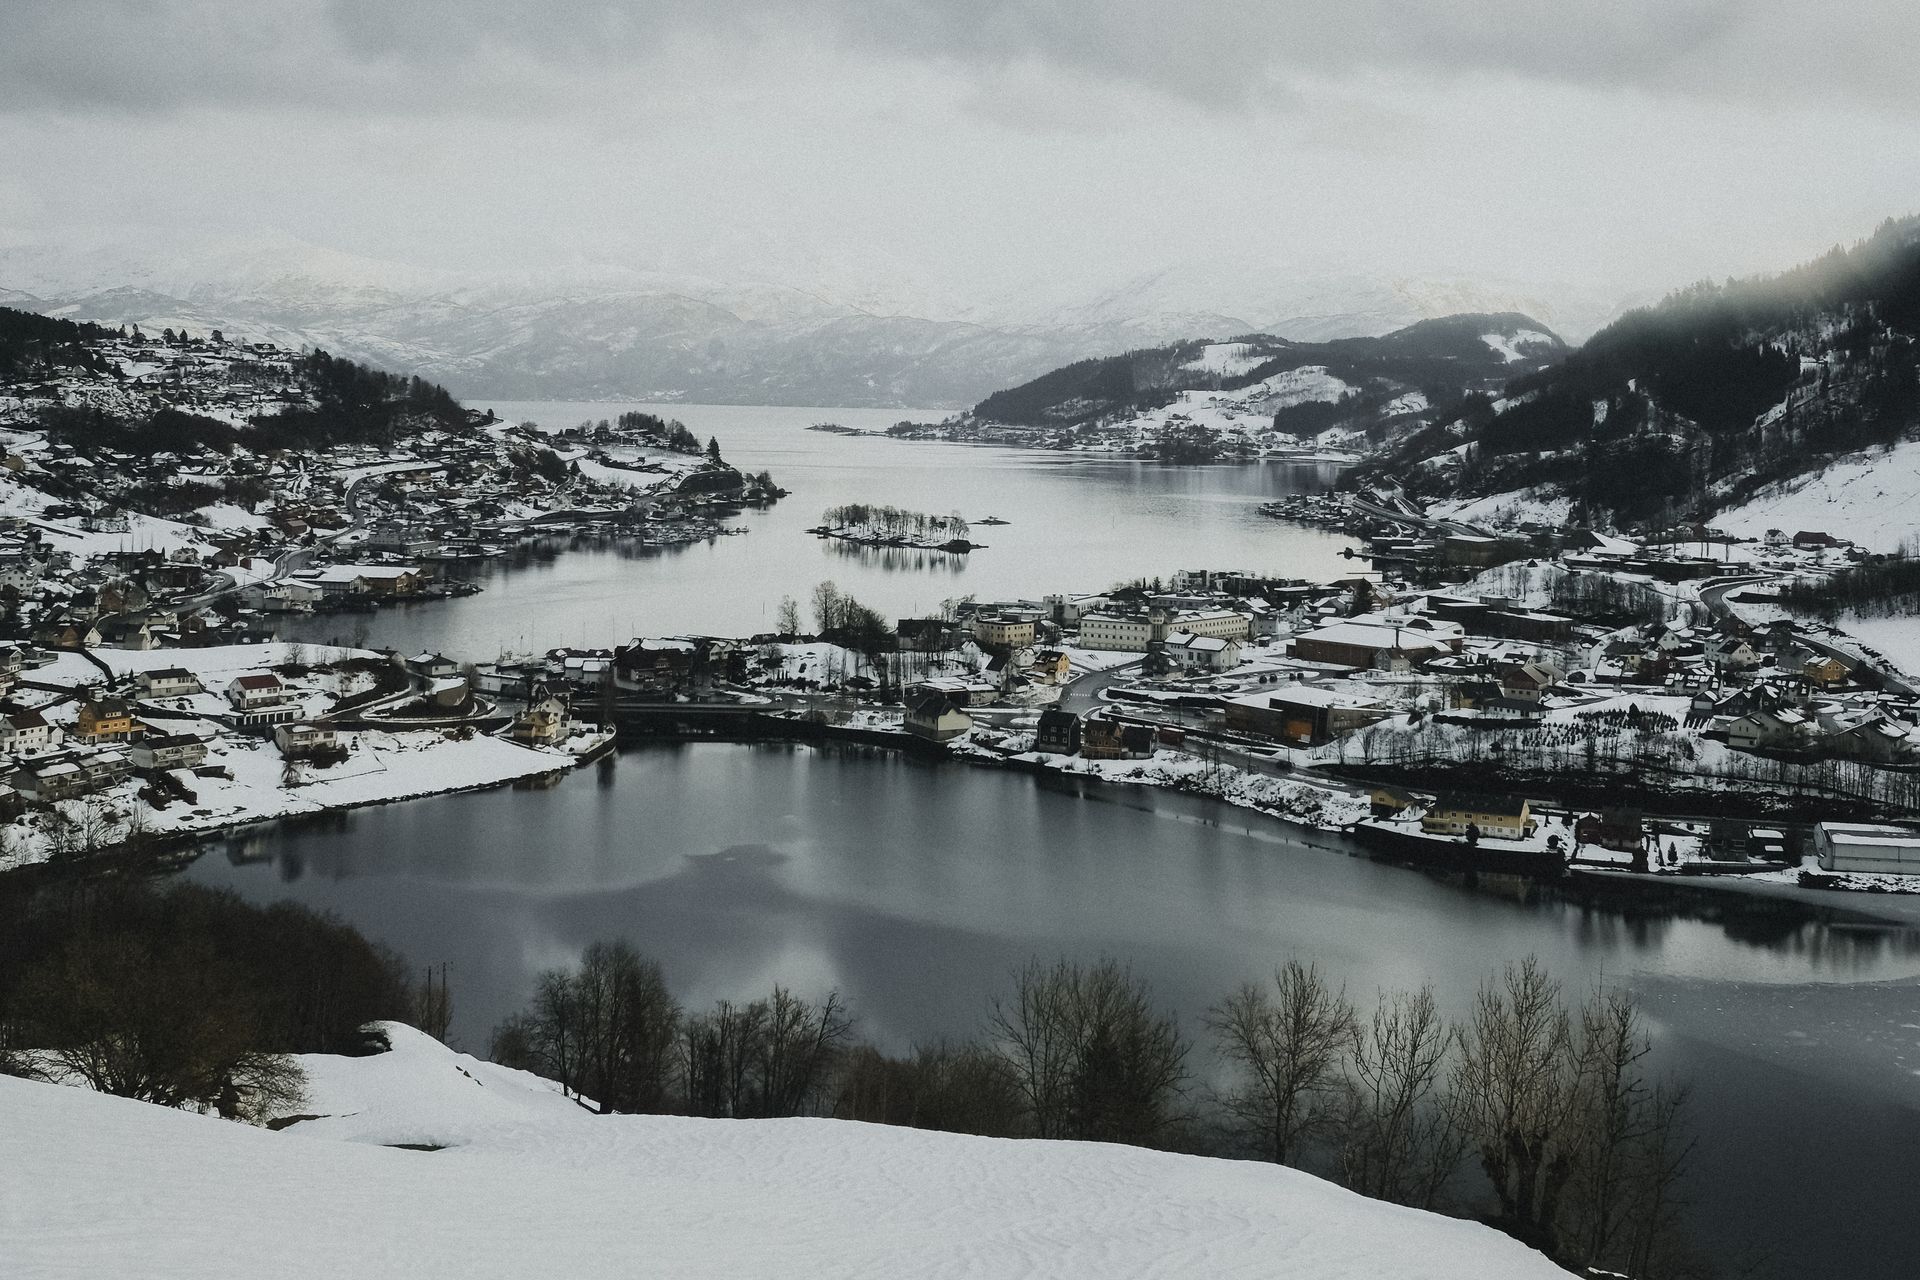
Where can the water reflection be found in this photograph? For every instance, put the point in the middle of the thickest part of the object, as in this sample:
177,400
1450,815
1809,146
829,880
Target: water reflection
915,887
1077,524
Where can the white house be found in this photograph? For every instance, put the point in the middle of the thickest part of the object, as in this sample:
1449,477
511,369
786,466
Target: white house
26,733
1213,653
167,751
296,740
935,718
1731,652
168,682
255,689
1782,730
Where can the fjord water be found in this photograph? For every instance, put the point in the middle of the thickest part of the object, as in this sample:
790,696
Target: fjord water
914,888
1075,524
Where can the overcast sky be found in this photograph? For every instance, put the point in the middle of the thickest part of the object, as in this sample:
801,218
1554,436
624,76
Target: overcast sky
943,153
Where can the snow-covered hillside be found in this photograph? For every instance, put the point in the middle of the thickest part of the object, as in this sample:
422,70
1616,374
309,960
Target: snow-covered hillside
527,1184
1870,498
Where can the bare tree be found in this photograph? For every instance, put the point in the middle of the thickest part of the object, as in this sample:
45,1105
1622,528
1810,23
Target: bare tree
717,1053
1620,1207
1287,1045
164,1021
1519,1087
1091,1056
1398,1135
786,619
434,1004
826,607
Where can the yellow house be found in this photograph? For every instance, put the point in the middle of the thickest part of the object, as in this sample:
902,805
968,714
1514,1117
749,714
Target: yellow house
1051,664
1496,818
1825,672
104,720
1004,631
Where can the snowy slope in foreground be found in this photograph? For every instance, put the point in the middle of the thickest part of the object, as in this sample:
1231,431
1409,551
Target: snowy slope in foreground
95,1186
1868,497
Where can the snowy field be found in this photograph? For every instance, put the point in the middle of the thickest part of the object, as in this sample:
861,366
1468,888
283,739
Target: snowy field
526,1184
1897,638
1521,506
1867,497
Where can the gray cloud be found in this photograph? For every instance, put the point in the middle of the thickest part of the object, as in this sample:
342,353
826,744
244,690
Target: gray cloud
378,55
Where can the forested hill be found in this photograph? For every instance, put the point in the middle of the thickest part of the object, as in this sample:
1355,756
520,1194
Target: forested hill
121,388
1688,407
1439,360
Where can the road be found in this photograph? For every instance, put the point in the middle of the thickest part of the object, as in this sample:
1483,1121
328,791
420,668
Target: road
1365,507
1715,598
1083,695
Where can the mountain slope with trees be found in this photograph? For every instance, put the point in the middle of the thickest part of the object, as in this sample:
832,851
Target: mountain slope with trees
1437,361
1679,410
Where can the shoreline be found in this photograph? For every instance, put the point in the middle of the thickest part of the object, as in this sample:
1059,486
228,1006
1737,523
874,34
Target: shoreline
1613,889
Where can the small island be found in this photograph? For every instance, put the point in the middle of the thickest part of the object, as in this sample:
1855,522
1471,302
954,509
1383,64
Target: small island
873,526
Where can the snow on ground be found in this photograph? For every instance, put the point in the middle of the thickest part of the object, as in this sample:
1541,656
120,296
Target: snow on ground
1521,506
816,661
215,664
1298,386
1228,359
380,767
228,515
527,1185
143,532
1084,661
1897,638
1872,498
1508,347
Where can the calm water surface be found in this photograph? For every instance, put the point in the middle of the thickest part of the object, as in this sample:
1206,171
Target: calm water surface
913,888
1075,525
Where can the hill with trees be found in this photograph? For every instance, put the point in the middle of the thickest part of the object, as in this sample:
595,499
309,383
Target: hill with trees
1431,362
1676,411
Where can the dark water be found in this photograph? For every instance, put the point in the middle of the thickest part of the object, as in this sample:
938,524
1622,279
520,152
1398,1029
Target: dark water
1076,525
914,888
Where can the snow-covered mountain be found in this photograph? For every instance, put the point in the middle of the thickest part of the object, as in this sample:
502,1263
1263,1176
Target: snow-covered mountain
505,1177
595,331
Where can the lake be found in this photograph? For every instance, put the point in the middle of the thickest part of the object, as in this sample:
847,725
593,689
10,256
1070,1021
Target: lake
914,888
1075,524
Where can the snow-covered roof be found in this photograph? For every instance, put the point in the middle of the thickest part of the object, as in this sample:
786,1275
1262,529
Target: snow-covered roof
1381,636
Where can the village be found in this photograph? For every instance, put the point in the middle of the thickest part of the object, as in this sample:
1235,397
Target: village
1501,696
1605,705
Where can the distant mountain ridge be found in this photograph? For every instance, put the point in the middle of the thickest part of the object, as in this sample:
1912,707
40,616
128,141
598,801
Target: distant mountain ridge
617,334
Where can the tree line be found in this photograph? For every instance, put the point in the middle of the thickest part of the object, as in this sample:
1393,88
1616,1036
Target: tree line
668,434
892,524
1533,1112
187,996
1876,588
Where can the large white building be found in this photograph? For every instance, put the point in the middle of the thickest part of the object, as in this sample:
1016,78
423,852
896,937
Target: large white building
1862,847
1133,633
1126,633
